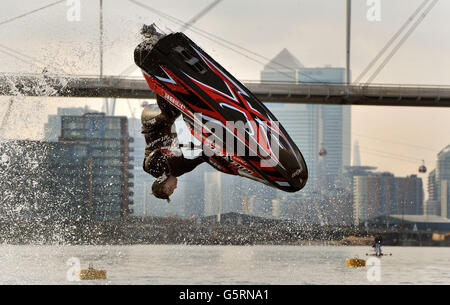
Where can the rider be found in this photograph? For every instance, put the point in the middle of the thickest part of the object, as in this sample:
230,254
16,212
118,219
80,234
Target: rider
163,157
377,245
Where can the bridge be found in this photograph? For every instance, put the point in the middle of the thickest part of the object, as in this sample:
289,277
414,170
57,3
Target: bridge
355,93
304,93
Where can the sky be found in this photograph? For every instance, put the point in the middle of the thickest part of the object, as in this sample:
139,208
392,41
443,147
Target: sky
394,139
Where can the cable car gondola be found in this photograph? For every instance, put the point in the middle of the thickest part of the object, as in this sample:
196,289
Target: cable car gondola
422,168
322,151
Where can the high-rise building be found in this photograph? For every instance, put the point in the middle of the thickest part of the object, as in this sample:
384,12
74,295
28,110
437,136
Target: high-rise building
52,128
213,192
445,198
43,181
432,205
327,74
373,195
432,208
432,187
349,173
106,149
442,178
438,201
283,67
301,123
336,131
409,195
376,194
194,193
142,197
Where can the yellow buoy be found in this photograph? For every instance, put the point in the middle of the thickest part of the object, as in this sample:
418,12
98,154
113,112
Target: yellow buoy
355,262
92,274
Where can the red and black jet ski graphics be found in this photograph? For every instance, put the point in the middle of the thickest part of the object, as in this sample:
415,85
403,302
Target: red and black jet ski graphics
207,95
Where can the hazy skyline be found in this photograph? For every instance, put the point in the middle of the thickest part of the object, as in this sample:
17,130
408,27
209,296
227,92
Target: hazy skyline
394,139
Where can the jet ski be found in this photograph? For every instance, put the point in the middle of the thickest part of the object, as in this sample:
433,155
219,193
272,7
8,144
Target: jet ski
238,131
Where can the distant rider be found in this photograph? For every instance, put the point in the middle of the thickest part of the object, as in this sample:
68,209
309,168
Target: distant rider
377,245
163,157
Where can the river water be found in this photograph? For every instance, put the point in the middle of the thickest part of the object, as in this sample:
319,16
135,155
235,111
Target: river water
179,264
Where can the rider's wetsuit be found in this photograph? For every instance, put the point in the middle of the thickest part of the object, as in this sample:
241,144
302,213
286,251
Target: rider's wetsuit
163,156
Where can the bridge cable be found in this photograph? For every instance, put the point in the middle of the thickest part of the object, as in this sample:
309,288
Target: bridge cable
188,24
18,57
400,43
30,12
199,15
31,60
389,43
180,22
215,39
185,26
395,142
22,55
383,153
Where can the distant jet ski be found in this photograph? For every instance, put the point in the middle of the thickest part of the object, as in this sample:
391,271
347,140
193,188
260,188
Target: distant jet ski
374,254
189,79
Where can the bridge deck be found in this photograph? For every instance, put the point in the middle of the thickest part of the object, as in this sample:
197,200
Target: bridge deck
136,88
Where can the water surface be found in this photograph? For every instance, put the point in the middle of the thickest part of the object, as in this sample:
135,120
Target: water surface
178,264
